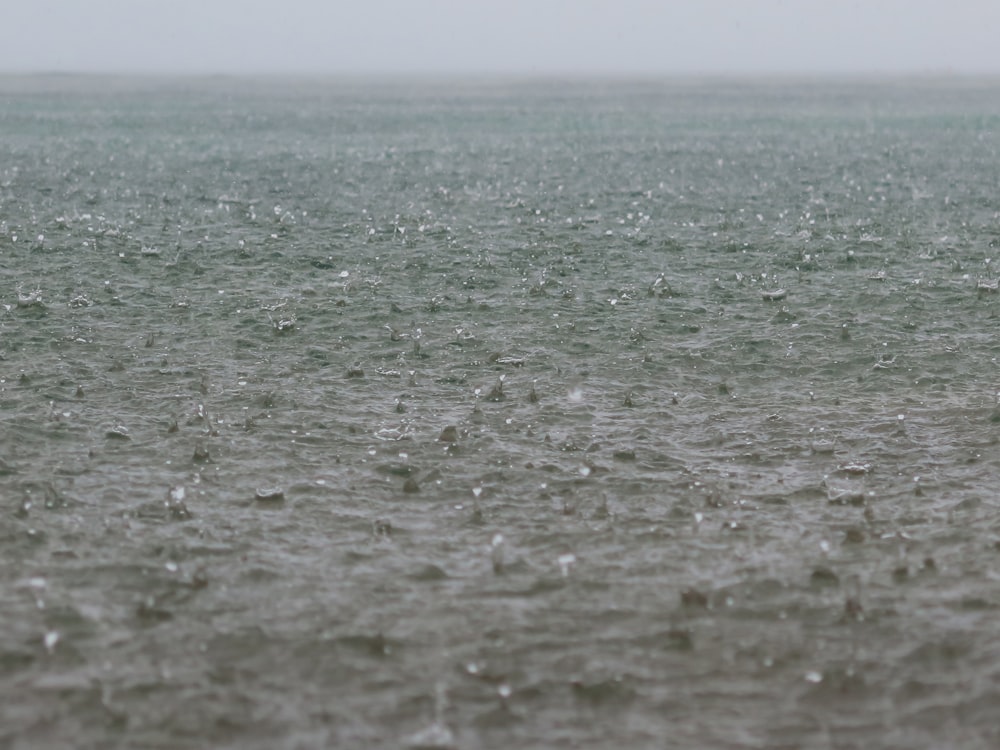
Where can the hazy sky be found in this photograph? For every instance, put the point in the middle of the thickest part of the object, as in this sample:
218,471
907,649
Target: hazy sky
504,36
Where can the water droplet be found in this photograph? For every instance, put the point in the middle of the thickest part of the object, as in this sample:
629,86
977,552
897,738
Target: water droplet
497,553
436,736
565,562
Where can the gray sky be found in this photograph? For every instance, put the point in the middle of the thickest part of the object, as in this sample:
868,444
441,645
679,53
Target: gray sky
501,36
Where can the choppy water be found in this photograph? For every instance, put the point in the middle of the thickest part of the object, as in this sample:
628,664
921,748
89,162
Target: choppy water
654,414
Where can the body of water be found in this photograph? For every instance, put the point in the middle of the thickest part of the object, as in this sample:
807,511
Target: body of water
531,415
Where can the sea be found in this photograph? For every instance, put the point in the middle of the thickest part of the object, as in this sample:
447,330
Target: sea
499,413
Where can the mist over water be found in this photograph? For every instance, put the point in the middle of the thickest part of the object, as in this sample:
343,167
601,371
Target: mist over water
552,414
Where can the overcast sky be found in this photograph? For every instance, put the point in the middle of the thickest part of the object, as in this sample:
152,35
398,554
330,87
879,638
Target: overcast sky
501,36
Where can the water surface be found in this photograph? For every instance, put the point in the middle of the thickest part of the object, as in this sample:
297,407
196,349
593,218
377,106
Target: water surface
529,414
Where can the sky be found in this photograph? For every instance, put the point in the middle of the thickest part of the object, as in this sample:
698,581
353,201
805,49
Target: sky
519,37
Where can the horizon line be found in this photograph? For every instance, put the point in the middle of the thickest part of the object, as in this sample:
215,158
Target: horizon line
528,75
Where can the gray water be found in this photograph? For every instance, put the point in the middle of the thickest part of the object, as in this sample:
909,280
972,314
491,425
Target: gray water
499,415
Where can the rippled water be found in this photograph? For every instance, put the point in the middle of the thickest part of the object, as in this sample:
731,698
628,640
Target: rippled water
530,415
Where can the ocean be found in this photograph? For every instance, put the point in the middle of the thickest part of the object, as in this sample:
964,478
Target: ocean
370,413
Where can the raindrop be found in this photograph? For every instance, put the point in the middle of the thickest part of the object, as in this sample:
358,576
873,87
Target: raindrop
201,454
698,518
448,435
270,494
496,553
565,562
437,736
496,393
117,432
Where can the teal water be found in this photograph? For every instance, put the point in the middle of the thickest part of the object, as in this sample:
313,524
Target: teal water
499,414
